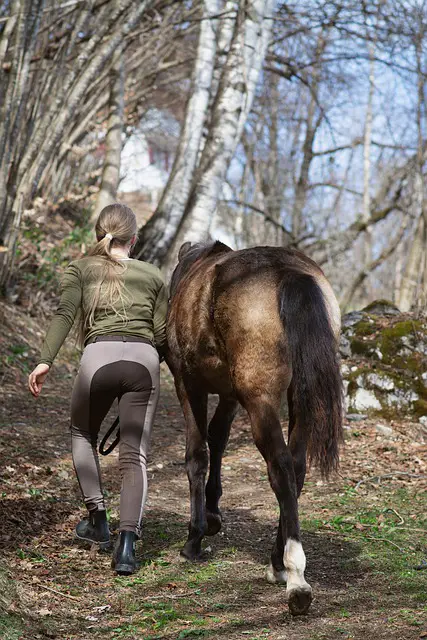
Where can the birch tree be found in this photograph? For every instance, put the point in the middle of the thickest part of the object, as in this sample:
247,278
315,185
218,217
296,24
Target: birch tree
113,140
54,84
156,237
412,278
366,257
230,110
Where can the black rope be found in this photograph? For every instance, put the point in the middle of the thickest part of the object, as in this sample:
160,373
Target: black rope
113,445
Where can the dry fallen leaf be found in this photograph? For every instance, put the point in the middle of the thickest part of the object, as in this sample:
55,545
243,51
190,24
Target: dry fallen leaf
102,608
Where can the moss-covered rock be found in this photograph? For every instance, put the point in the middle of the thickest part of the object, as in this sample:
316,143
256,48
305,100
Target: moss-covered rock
386,356
382,308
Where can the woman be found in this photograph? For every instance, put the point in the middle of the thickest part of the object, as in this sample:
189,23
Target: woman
121,304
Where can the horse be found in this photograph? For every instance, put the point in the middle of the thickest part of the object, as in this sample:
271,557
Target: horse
251,325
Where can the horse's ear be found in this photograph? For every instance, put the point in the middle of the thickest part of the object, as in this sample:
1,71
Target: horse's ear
183,250
219,247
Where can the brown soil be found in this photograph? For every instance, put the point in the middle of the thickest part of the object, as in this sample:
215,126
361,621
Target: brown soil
364,587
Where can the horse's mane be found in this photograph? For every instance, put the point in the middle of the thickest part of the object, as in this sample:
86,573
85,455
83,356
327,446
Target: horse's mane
191,253
204,249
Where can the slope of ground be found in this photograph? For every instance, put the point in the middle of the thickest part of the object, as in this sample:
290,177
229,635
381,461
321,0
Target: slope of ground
365,541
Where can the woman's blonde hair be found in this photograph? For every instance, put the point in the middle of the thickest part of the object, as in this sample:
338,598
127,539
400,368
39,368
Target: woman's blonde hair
116,225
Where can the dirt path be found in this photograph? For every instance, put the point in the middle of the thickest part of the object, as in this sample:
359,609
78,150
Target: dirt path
361,545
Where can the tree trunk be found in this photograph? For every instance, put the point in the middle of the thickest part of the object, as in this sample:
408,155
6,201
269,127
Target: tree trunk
411,277
313,121
41,147
113,141
398,267
156,236
367,141
366,252
230,110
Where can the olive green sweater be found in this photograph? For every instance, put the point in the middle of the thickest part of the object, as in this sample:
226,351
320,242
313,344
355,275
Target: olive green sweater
145,312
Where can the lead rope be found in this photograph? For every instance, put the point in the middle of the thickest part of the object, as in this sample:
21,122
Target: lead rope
113,445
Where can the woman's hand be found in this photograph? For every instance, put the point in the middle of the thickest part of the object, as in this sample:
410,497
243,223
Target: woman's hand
37,378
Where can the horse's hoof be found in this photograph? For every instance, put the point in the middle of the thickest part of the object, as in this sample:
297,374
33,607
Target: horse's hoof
299,600
189,554
276,577
214,521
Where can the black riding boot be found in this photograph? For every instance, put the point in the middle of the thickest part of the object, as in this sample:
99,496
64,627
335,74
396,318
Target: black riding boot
94,529
124,561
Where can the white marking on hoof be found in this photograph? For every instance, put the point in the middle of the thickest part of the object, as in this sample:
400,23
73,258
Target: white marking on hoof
297,587
274,576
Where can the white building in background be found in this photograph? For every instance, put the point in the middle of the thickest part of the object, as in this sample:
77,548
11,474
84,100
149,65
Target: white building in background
147,157
146,161
138,173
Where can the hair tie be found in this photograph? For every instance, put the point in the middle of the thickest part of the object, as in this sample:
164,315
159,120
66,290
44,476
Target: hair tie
109,236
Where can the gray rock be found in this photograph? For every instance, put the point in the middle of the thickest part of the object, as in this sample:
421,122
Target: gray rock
423,420
345,347
421,347
385,431
404,352
352,318
364,399
356,417
345,370
384,382
382,308
401,399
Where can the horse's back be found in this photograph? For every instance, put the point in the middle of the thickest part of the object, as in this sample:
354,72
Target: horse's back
225,321
253,275
247,317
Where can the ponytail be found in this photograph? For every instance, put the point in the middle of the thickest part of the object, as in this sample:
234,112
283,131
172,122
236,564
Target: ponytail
115,226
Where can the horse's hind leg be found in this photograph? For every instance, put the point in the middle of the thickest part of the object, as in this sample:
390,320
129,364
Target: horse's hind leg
268,436
297,442
218,432
194,406
298,447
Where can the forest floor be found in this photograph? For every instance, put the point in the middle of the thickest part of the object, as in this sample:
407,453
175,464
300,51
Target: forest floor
363,541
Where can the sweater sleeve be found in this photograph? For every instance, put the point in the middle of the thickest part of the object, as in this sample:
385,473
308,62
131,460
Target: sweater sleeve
63,320
159,319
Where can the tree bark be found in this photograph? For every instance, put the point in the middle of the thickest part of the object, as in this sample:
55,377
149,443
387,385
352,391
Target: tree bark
313,121
232,105
411,277
156,237
369,267
367,141
41,147
113,141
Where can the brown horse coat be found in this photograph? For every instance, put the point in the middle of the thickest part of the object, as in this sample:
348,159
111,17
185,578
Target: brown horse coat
249,326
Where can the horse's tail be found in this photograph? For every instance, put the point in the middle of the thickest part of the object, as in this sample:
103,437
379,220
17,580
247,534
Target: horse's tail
317,396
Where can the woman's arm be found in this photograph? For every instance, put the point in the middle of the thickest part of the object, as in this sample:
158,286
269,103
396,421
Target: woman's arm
159,320
62,322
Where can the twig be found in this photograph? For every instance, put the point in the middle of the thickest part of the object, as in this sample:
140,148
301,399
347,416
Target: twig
397,514
390,475
374,526
172,596
59,593
385,540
